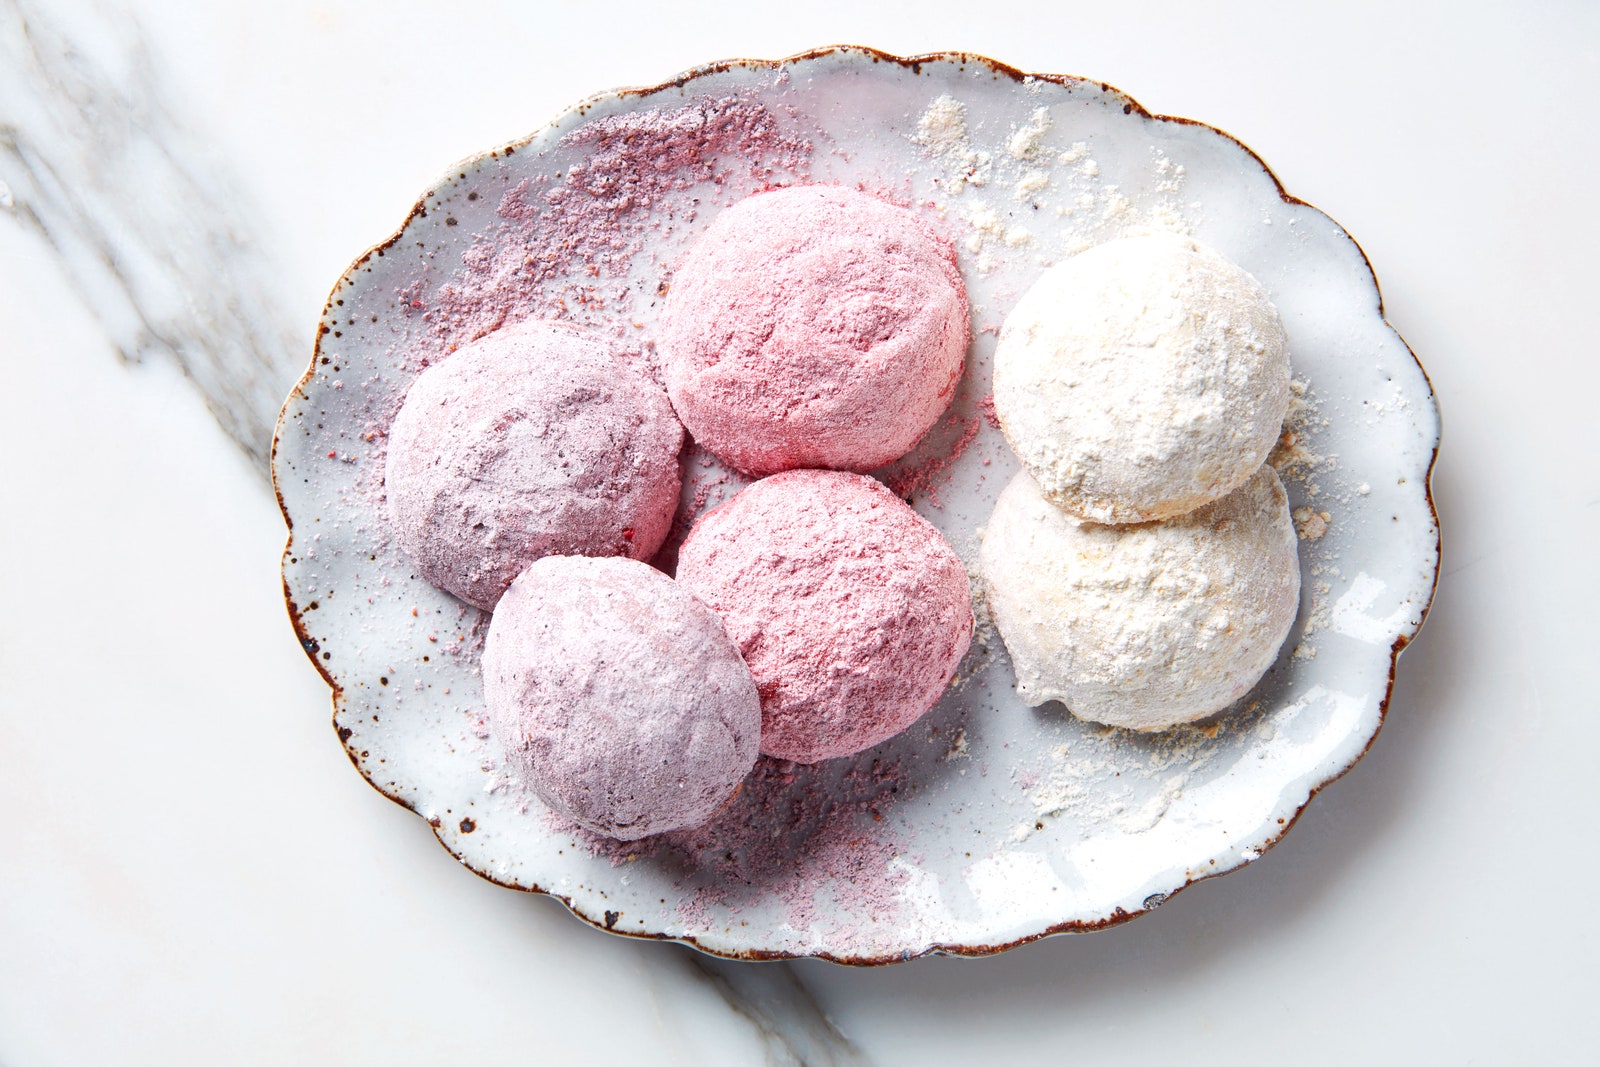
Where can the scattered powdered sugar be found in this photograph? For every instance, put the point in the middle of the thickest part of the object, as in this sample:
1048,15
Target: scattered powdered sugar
1300,466
1292,456
942,130
986,407
1024,140
1310,524
1019,196
981,653
923,477
1103,776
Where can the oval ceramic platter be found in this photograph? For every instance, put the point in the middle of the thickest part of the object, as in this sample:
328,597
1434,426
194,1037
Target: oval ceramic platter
988,823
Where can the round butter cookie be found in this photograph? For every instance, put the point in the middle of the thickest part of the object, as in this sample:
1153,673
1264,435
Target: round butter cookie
1143,626
1142,379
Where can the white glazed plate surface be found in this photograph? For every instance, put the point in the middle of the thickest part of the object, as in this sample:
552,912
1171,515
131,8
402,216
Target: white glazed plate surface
987,824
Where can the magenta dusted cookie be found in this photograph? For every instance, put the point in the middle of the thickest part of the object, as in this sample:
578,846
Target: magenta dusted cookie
849,607
814,326
535,440
618,697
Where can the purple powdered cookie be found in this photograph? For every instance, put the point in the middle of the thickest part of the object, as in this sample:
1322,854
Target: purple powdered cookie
535,440
618,696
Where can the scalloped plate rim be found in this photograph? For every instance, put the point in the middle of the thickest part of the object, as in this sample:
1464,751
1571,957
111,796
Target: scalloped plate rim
1401,639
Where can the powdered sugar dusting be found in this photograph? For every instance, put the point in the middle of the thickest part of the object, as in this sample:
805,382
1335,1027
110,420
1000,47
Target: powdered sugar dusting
1302,464
849,607
1021,199
814,326
1082,781
567,645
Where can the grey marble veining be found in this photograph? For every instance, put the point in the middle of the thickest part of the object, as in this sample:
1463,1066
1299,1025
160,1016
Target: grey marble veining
1406,919
153,229
773,998
161,240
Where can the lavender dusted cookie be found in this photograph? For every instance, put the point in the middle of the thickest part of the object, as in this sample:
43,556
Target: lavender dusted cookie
535,440
618,696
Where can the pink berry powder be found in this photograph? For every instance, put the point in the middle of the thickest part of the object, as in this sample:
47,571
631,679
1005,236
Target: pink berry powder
569,241
814,326
850,608
790,830
571,245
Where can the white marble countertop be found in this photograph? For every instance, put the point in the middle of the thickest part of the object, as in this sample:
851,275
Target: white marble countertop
190,871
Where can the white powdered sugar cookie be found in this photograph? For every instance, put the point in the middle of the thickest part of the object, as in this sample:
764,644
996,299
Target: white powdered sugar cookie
1142,626
1142,379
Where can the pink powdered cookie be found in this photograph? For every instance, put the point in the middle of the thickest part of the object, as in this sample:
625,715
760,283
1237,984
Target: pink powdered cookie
535,440
849,607
618,696
814,327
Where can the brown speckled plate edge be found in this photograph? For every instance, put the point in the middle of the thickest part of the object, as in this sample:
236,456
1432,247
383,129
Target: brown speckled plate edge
913,63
